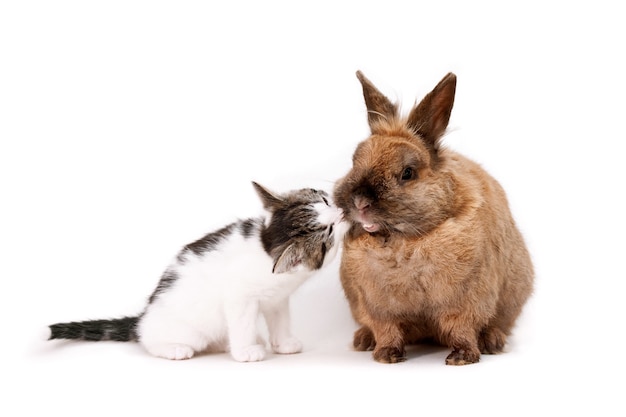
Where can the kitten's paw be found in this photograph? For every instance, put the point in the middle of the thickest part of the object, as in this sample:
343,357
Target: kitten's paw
252,353
290,345
174,351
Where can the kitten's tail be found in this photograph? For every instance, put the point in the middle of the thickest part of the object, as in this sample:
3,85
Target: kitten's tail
122,330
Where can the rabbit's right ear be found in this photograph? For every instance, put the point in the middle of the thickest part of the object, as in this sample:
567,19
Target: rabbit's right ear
378,106
431,116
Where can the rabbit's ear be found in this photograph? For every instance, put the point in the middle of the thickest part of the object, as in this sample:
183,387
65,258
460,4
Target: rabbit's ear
430,118
270,200
378,106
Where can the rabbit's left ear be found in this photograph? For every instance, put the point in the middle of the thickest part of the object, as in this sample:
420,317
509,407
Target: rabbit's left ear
378,106
430,118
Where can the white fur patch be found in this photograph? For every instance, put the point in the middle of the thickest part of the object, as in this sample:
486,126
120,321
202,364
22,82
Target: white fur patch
328,214
210,301
216,298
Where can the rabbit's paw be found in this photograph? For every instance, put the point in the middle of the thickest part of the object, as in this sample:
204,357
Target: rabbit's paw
289,345
463,356
491,341
364,339
252,353
389,355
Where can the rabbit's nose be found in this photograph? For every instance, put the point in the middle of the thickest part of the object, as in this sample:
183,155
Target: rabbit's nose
361,203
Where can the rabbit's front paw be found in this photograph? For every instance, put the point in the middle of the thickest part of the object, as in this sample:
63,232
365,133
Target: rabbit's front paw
461,356
364,339
491,341
389,354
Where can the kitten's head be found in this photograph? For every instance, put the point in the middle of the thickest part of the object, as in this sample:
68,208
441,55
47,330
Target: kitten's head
303,229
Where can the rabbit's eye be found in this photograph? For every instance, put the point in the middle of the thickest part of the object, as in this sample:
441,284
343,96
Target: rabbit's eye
408,174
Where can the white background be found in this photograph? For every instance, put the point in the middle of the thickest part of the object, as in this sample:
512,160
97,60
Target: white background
129,128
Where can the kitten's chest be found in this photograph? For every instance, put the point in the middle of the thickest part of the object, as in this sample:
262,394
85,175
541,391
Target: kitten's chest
266,285
251,277
220,279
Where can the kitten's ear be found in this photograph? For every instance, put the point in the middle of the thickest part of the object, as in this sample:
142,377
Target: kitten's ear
430,118
270,200
378,106
288,260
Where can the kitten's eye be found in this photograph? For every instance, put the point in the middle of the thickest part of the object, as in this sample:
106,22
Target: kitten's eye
330,229
325,201
408,174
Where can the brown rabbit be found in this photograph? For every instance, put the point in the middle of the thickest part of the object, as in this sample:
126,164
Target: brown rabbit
433,251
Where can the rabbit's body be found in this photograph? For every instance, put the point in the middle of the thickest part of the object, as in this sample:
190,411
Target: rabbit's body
433,252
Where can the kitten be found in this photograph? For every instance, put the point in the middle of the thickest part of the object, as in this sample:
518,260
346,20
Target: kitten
210,297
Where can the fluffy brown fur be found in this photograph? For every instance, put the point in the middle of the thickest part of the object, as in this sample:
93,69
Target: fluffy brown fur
433,251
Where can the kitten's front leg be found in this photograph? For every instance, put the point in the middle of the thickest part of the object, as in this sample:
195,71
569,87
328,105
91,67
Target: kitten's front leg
278,324
242,332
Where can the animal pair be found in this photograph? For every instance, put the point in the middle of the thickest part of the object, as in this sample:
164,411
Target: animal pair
431,252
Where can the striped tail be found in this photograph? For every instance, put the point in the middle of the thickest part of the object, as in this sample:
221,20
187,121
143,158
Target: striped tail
122,330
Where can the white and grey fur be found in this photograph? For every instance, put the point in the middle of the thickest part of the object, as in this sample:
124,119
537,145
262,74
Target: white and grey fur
211,295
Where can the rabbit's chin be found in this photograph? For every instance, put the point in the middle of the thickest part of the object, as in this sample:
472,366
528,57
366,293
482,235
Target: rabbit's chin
366,223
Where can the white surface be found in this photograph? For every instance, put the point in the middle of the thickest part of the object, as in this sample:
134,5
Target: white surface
129,128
